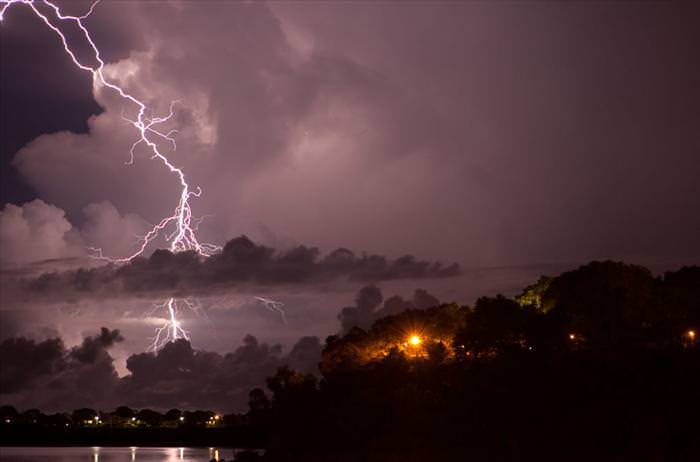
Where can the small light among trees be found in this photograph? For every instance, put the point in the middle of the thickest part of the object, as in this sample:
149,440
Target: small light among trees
415,340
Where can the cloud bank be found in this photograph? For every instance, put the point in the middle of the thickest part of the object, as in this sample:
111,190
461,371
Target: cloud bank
48,375
241,261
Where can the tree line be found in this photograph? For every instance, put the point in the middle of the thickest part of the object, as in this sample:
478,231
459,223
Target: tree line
599,363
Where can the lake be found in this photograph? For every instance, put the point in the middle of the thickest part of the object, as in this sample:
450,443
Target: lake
113,454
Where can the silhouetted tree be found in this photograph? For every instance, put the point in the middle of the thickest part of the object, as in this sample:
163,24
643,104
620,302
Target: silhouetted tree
604,303
8,413
495,324
82,415
150,417
173,414
124,412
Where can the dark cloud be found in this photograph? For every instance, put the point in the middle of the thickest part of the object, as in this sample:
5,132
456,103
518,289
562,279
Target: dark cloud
305,354
50,376
179,375
93,347
22,361
368,307
241,261
47,374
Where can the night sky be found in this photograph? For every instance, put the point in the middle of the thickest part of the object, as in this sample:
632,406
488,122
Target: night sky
514,139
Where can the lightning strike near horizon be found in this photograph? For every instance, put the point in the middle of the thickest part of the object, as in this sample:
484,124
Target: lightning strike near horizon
179,229
171,330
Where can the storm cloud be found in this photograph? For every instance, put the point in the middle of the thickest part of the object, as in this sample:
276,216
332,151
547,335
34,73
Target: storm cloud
514,133
241,261
510,138
368,307
50,376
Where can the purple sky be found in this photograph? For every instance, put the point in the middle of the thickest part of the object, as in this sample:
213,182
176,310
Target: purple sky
521,137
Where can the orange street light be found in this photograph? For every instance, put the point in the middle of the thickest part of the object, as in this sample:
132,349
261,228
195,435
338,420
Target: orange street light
415,340
691,334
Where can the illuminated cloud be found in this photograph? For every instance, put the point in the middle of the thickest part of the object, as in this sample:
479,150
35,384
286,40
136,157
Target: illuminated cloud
36,231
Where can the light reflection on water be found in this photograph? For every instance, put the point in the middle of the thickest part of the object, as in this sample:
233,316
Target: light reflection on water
111,454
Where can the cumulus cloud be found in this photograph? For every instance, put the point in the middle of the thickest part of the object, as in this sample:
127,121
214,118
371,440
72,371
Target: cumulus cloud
368,307
179,375
50,376
91,348
36,231
24,361
107,229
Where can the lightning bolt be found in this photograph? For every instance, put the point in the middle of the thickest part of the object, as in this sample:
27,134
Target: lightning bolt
274,306
171,330
179,228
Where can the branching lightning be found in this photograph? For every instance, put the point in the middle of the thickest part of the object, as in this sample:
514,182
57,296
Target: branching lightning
180,227
171,330
274,306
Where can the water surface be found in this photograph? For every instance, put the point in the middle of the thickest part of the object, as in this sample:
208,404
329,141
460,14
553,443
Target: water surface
112,454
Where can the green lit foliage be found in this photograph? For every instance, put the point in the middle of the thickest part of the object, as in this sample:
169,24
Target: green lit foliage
532,295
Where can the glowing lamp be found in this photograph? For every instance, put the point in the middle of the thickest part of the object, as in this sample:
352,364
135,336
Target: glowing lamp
691,334
572,336
414,340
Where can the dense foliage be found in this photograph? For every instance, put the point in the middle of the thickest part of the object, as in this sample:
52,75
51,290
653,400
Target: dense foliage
600,363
